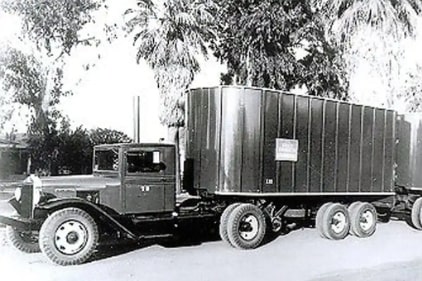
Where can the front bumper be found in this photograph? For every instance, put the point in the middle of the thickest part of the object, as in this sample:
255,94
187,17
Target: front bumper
21,223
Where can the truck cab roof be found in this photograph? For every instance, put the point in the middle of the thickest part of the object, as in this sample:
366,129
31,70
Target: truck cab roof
134,145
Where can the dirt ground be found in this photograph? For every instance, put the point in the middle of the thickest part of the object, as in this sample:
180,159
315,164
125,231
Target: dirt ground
394,252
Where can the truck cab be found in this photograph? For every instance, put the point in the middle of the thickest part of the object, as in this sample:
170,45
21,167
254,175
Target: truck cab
130,194
146,174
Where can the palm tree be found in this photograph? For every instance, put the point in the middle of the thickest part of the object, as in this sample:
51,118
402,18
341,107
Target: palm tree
371,34
170,36
389,17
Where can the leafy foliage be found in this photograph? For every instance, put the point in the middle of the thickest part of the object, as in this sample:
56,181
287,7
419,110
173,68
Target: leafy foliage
27,79
261,42
27,82
103,135
54,24
70,150
34,78
383,27
387,17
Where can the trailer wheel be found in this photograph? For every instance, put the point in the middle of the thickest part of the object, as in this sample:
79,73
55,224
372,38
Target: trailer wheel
69,236
319,219
246,226
24,241
363,219
336,222
350,209
224,220
416,214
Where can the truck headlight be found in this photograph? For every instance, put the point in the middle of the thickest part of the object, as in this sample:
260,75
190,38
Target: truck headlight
18,193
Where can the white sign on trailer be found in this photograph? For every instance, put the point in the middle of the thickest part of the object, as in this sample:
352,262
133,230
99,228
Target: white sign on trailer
286,150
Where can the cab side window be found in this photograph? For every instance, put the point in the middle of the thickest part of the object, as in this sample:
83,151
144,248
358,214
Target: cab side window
144,162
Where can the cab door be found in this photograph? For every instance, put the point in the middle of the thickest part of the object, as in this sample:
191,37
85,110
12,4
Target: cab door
149,180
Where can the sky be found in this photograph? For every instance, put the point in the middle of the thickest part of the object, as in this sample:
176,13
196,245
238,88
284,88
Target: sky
102,96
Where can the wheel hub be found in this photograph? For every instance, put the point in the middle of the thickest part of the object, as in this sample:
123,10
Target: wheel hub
367,220
71,237
338,223
249,227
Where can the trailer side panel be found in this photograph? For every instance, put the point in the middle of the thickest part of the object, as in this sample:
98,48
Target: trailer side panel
258,141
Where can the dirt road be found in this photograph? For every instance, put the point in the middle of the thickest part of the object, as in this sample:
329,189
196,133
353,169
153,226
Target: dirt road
393,253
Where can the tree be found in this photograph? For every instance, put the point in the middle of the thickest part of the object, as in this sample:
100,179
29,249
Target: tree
103,136
169,38
56,25
75,147
277,44
27,82
373,36
50,31
345,18
32,77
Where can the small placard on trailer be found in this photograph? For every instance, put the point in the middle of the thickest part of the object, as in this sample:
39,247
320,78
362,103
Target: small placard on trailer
286,150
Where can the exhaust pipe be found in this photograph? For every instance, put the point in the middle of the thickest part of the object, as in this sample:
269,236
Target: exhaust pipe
136,119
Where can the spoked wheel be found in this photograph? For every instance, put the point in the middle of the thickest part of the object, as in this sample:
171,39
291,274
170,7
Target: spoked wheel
69,236
363,219
224,220
25,241
335,222
246,226
416,214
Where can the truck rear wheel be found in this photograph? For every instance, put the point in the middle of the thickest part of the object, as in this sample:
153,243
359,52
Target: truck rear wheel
335,222
246,226
416,214
351,209
69,236
319,219
224,220
24,241
363,219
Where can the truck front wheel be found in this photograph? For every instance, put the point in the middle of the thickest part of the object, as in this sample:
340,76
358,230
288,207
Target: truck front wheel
246,226
69,236
24,241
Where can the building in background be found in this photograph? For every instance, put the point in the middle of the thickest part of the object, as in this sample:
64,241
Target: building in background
14,157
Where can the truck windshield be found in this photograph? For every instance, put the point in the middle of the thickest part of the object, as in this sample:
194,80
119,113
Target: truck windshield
106,160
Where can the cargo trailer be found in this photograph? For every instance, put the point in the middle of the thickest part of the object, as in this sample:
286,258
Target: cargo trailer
258,161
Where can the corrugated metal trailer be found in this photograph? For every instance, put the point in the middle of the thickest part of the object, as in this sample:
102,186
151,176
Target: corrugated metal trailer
409,152
259,142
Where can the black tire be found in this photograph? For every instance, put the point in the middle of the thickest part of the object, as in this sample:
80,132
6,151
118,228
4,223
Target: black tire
363,219
24,241
351,209
416,214
336,222
319,219
244,221
69,236
223,222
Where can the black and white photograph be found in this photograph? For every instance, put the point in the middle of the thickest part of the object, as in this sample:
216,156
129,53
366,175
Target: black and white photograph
207,140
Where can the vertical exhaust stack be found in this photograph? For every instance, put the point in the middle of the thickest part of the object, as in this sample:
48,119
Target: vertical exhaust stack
136,119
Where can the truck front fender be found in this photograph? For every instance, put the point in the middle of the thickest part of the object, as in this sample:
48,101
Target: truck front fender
94,210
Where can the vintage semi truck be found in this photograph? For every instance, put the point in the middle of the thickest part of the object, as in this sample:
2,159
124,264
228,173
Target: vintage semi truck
256,160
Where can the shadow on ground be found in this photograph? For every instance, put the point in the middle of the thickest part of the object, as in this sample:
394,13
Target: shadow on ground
184,238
